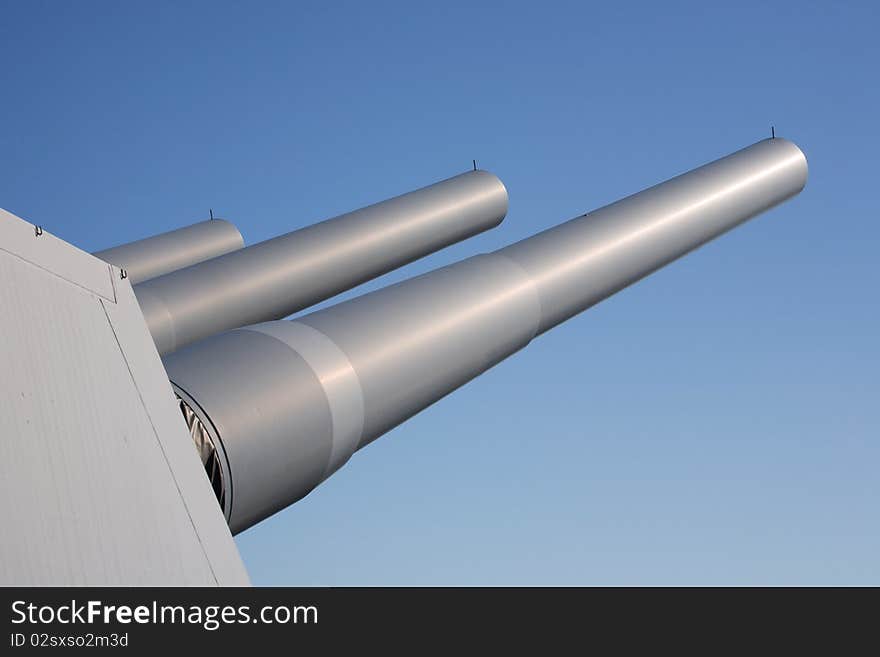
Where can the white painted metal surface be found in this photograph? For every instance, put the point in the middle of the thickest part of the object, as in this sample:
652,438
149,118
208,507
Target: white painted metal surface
99,481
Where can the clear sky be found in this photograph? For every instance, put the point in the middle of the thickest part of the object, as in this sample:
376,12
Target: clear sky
715,423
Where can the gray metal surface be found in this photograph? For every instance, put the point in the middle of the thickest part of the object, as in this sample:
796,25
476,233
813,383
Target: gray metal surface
99,481
381,358
176,249
281,276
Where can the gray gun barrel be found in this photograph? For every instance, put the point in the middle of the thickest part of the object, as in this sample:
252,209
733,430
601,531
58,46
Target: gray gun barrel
278,277
287,403
176,249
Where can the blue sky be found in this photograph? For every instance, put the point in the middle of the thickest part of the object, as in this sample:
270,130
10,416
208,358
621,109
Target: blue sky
716,423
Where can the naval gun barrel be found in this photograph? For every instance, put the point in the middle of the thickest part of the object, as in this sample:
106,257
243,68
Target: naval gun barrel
285,274
167,252
287,403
